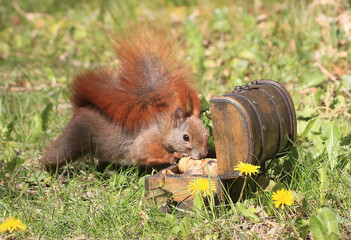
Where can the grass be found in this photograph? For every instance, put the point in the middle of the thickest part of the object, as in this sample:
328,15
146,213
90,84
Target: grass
303,44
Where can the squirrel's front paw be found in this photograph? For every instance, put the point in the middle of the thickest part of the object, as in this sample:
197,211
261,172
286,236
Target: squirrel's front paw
172,160
173,157
180,155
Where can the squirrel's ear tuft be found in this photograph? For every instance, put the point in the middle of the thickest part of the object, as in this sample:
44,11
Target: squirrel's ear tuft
178,117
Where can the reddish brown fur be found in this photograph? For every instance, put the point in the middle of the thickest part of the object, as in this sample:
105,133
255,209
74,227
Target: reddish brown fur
157,155
123,95
150,101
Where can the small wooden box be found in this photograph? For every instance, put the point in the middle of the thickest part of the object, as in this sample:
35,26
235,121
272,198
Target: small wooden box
251,124
177,184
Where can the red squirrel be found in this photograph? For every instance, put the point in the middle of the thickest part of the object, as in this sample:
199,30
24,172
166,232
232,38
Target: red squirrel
143,112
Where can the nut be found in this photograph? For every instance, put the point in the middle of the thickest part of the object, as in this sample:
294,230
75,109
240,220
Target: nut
186,162
194,169
211,167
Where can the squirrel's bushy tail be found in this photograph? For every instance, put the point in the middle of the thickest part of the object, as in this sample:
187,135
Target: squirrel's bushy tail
150,79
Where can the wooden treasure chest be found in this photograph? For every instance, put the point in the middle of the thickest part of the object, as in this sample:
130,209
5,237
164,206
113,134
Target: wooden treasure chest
251,124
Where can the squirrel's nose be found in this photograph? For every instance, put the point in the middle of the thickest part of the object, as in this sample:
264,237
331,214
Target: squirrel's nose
204,153
200,154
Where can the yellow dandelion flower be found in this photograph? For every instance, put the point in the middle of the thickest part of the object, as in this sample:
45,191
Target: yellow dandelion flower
12,224
283,197
247,168
201,185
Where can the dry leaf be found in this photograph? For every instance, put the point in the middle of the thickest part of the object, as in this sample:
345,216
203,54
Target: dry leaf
338,71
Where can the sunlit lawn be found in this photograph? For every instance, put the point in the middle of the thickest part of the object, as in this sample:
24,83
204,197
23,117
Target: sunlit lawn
305,45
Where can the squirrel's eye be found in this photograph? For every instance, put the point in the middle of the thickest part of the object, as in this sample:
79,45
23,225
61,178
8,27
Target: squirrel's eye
186,137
